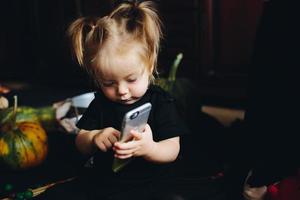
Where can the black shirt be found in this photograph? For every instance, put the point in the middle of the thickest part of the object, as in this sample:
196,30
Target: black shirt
163,120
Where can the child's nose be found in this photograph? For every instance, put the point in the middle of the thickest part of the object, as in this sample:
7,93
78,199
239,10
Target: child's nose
122,89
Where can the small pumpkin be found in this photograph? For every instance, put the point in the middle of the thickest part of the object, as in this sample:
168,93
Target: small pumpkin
45,115
23,144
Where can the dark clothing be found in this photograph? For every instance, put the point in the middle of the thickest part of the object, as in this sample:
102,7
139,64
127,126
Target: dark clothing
163,120
271,118
186,178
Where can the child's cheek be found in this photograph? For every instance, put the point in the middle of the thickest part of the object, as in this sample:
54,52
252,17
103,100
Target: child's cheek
108,92
141,88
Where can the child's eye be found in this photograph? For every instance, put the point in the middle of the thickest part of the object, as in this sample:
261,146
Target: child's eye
107,84
132,80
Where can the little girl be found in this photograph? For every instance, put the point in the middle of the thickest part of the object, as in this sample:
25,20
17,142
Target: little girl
119,51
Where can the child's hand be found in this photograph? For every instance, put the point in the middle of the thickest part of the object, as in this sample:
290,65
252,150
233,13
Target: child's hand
141,145
105,138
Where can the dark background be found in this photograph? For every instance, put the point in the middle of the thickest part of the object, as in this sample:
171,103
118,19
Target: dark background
215,36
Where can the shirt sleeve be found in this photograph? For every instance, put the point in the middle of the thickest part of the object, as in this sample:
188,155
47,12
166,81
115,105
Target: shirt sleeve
91,118
168,122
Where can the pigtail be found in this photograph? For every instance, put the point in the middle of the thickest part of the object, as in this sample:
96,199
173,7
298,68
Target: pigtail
141,21
75,35
94,39
86,36
151,29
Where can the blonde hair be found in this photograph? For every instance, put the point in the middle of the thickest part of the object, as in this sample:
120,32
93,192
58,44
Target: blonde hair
130,22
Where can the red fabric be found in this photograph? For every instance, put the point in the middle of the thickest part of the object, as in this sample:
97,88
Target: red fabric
287,189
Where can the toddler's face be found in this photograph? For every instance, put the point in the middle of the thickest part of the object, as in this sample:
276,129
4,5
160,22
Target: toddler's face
126,80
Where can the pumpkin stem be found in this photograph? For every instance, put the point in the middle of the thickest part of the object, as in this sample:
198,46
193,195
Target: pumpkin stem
172,73
14,117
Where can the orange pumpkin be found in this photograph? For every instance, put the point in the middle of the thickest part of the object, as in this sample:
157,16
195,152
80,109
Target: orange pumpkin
23,145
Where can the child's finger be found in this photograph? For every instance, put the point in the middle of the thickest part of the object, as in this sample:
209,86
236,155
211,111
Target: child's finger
125,151
126,145
113,138
107,143
102,146
136,135
147,127
116,134
123,156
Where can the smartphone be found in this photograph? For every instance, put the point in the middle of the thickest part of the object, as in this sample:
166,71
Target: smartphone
135,119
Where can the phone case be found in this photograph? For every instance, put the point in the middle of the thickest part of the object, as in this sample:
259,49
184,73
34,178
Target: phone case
135,119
